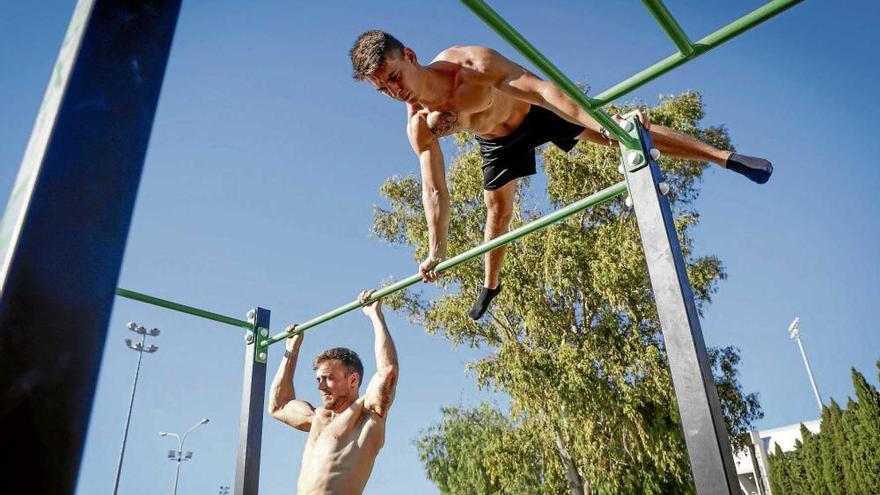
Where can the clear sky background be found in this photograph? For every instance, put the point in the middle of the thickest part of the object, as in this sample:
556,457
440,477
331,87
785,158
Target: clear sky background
266,158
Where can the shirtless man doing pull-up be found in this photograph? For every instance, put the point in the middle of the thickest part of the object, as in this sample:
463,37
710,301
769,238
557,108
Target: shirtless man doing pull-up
345,435
511,111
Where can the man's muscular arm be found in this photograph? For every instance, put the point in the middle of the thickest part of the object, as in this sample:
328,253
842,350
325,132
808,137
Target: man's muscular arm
380,391
435,195
283,404
490,67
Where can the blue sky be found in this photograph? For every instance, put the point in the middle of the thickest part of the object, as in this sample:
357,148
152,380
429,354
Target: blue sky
266,159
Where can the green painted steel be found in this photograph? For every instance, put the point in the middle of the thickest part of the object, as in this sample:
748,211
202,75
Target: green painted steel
670,25
512,36
137,296
735,28
534,226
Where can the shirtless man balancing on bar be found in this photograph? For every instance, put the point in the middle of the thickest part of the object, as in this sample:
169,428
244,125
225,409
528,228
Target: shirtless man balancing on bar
511,111
345,435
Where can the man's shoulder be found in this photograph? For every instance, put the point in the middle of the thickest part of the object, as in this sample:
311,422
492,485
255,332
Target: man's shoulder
464,55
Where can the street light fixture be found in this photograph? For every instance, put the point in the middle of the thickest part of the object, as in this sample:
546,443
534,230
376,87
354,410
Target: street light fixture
141,348
795,334
181,455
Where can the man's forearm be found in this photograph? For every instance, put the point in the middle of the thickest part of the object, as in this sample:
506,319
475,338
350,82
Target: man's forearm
435,198
436,203
386,353
282,390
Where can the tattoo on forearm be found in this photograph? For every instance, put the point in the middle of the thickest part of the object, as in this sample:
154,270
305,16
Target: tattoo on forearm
444,124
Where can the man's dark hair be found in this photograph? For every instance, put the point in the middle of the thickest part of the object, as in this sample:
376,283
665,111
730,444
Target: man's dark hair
347,357
370,51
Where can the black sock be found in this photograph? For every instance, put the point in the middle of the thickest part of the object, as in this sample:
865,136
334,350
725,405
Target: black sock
756,169
482,303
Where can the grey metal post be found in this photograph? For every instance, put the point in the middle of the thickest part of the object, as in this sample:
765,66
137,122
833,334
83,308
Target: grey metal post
177,473
64,230
702,422
253,399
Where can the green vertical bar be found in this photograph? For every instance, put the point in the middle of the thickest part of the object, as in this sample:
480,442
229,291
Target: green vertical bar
512,36
670,25
533,226
702,46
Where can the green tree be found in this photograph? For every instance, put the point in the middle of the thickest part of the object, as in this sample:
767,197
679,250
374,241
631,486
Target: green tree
480,450
849,421
812,462
780,473
797,469
830,449
843,458
574,338
866,425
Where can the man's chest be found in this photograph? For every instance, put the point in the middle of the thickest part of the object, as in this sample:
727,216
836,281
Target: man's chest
330,433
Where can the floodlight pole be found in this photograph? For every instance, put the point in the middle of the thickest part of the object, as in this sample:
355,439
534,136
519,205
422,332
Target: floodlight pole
141,348
795,334
702,421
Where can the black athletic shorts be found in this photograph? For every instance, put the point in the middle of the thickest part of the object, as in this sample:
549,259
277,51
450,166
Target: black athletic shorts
513,156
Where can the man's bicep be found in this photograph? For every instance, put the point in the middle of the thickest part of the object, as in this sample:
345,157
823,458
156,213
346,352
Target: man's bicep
426,147
297,413
380,393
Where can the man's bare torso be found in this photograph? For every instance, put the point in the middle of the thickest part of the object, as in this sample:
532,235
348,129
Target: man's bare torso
475,104
340,451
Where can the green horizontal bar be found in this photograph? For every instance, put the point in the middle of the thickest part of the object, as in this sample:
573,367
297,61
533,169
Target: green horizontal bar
512,36
711,41
670,25
137,296
533,226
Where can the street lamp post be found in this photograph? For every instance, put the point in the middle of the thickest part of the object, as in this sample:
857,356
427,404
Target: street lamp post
794,334
141,348
179,455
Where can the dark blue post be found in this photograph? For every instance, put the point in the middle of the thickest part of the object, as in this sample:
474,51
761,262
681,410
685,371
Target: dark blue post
253,403
64,230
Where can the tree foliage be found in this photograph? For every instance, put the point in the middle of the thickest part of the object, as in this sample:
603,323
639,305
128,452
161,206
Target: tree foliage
843,458
574,338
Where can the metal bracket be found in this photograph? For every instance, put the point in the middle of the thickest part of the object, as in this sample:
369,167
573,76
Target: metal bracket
262,347
633,159
258,335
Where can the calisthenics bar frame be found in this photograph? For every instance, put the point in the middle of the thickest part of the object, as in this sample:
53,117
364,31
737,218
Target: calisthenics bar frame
522,231
61,244
687,52
257,340
702,421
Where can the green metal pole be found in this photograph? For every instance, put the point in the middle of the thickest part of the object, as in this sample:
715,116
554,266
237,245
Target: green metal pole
670,25
534,226
702,46
137,296
512,36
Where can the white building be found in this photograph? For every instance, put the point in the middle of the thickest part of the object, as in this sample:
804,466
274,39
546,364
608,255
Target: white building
752,466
